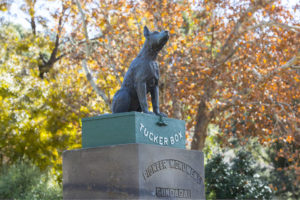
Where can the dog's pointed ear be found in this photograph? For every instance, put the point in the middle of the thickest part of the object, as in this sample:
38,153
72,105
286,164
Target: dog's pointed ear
146,31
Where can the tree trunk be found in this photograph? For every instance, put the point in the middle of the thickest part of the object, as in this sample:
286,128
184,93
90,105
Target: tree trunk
202,121
176,106
33,25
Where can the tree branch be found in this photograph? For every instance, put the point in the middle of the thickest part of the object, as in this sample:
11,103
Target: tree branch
84,63
47,65
32,15
262,80
233,35
288,64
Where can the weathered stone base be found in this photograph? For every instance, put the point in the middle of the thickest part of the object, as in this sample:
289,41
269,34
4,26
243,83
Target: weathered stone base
133,171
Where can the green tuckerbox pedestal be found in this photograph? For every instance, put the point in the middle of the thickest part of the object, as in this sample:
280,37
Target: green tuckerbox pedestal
132,127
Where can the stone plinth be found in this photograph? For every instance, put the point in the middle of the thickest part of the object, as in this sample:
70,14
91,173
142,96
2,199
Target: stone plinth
133,171
132,127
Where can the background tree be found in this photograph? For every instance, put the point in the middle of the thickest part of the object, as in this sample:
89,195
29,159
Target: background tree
238,179
283,171
24,180
40,117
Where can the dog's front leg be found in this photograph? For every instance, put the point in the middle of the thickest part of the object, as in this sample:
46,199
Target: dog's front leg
142,92
154,98
155,101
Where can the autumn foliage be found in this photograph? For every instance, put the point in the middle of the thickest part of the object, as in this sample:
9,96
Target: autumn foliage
234,64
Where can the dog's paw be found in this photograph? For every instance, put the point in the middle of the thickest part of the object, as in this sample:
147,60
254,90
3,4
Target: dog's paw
148,112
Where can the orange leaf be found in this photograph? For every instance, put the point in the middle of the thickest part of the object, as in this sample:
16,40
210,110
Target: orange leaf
265,60
289,139
273,7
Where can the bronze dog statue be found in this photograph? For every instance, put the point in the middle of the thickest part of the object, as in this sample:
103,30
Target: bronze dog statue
142,77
